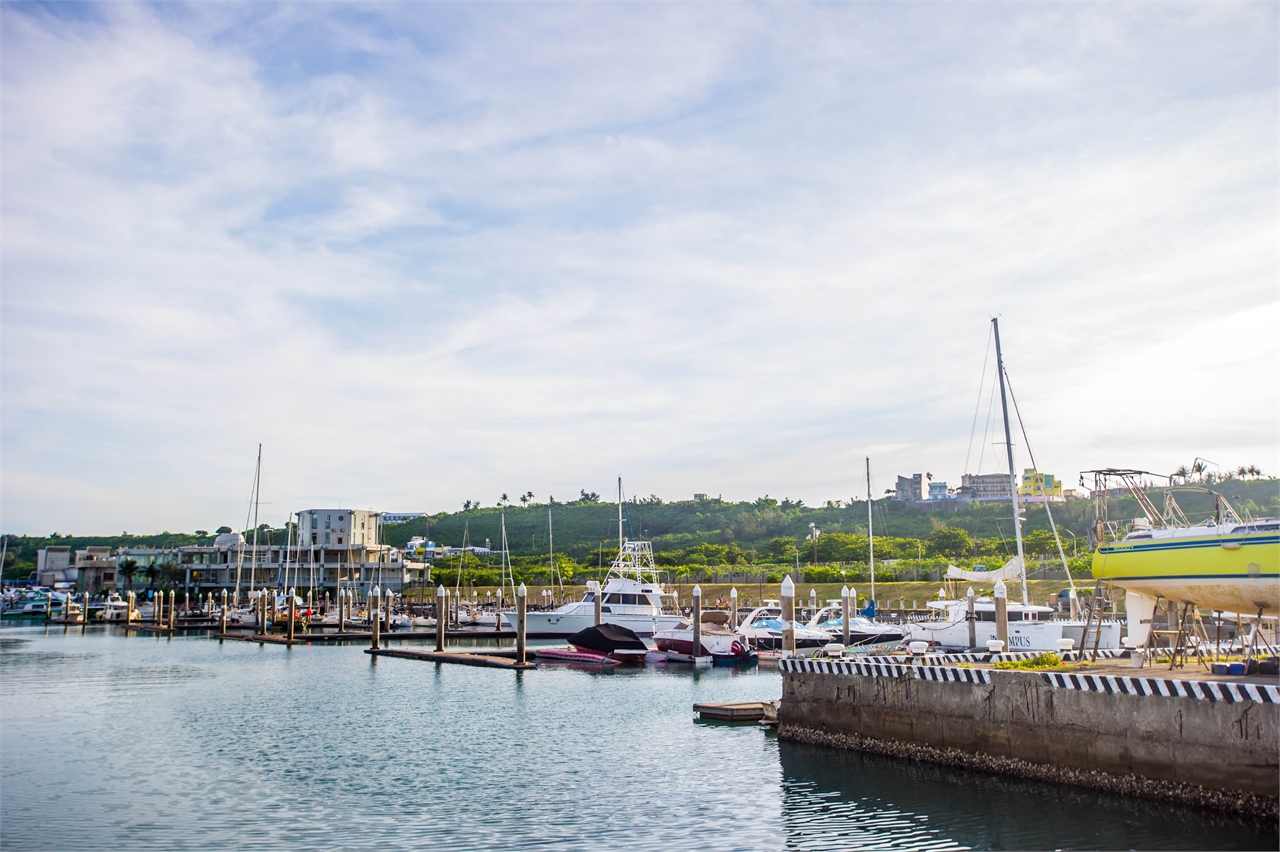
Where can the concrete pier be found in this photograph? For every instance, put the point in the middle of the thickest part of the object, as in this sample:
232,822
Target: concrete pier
1218,734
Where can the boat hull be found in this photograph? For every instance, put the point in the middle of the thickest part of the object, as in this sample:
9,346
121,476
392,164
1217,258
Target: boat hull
1226,573
550,625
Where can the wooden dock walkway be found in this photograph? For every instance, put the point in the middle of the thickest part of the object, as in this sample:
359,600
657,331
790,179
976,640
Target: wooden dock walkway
492,661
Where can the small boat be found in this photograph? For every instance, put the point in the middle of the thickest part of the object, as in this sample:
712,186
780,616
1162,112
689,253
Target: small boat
762,630
863,632
718,641
612,641
116,609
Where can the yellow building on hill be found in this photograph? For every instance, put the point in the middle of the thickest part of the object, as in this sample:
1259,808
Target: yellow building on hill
1040,487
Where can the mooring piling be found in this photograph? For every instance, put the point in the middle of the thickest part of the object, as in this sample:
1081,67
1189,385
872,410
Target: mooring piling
733,608
222,615
173,606
788,616
441,617
599,593
1002,613
521,594
696,649
375,616
844,615
84,614
973,627
293,614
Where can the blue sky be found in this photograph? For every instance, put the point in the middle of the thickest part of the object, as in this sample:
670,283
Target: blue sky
434,252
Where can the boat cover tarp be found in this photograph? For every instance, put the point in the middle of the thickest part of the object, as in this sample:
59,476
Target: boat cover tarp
607,638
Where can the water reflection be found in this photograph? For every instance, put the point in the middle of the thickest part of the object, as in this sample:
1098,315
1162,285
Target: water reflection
845,800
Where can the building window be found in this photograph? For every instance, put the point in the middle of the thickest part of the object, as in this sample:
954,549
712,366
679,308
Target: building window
339,539
313,538
326,538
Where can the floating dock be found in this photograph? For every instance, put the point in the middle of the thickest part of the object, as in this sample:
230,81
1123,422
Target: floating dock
733,711
464,658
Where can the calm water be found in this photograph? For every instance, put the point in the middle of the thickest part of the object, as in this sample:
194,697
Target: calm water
109,742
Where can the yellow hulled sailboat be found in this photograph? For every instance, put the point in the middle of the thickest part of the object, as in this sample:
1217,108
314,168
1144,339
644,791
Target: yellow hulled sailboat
1222,563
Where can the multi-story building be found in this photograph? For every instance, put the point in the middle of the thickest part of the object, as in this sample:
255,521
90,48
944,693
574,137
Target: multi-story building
1040,487
332,546
910,488
938,491
93,568
401,517
984,486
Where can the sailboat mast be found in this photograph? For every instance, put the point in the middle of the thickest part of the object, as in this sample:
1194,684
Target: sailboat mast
257,483
619,517
1008,446
871,541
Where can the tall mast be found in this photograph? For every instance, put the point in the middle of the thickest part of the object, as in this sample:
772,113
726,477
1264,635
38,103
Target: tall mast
619,517
871,542
1013,474
257,481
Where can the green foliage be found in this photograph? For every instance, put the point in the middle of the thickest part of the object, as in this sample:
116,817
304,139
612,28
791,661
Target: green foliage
1044,660
951,542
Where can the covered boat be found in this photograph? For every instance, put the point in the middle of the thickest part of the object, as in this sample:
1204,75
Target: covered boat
610,640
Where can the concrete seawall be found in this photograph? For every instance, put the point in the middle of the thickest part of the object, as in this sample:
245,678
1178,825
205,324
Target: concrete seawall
1218,735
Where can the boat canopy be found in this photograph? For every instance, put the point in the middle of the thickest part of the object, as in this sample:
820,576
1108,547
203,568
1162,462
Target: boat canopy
607,639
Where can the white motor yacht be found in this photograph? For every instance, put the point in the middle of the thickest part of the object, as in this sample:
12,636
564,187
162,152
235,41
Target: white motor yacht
863,632
762,629
632,597
1031,627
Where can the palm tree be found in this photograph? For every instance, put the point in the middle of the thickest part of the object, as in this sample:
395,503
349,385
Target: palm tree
1198,468
1181,473
127,568
1254,471
504,498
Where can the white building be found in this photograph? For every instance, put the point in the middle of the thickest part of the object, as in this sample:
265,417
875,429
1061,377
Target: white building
332,546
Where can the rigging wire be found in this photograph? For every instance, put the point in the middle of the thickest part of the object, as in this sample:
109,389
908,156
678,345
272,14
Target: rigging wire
1032,456
986,432
977,403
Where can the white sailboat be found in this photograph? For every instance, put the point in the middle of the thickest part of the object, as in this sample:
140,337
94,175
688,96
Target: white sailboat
1030,626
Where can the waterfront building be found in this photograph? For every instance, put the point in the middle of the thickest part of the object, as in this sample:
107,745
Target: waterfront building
331,546
92,569
910,488
938,491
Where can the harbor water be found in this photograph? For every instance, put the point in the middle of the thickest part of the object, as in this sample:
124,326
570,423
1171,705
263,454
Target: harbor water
142,743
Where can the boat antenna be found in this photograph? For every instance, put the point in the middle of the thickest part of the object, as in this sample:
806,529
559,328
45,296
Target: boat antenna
1008,446
871,542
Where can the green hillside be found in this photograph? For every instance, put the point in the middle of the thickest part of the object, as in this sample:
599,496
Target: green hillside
700,536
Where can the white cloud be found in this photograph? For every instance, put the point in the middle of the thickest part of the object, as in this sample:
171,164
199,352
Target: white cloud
714,248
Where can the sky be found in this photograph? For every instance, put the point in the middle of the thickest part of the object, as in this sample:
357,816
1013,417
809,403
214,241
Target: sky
430,252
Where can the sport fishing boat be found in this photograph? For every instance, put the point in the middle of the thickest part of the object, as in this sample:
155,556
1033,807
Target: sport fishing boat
863,632
717,640
632,596
762,630
1222,563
